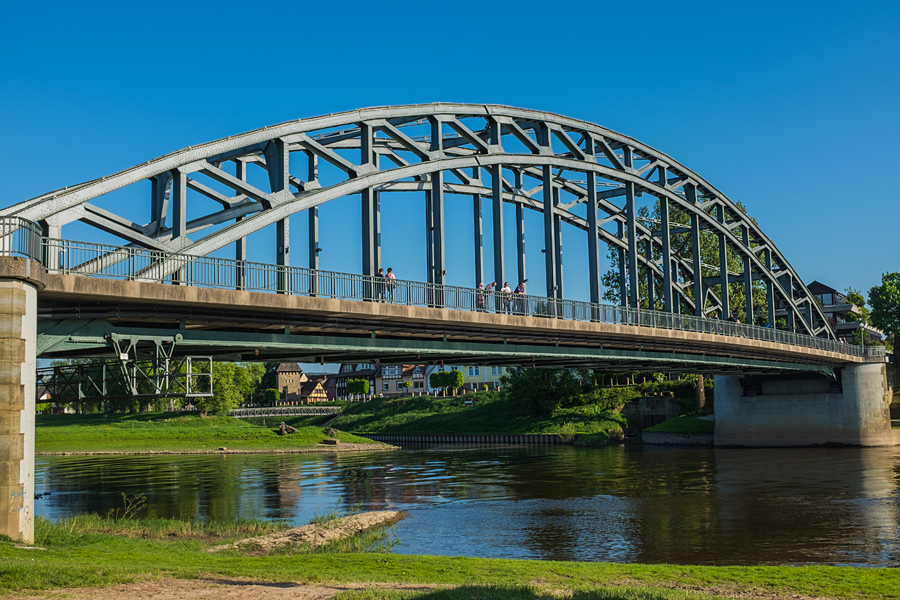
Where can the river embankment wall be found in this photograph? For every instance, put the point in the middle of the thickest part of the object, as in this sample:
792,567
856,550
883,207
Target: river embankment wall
659,438
465,438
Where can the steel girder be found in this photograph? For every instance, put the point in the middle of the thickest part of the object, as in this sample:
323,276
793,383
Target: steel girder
447,148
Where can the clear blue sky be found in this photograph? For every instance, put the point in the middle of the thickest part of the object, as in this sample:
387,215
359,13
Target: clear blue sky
791,108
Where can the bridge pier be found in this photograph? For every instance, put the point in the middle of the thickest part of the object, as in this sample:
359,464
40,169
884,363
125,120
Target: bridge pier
763,411
20,280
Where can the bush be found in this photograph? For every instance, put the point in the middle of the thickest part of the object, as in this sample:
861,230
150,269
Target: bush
271,396
541,390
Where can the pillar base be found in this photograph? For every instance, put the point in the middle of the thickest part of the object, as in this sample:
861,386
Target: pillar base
20,280
766,412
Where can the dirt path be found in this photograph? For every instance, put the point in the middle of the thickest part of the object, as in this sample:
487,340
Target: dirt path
213,588
219,588
316,534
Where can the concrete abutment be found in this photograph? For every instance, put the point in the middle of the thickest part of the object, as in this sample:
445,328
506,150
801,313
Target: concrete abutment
20,280
770,411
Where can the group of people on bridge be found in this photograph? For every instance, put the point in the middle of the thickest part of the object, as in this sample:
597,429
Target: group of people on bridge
503,300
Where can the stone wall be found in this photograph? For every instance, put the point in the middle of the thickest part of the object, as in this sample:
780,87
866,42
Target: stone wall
806,412
18,336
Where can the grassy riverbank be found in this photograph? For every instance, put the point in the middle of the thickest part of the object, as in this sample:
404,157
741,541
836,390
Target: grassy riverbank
491,413
175,432
78,555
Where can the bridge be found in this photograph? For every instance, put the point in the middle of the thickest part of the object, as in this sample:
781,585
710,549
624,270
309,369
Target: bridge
681,253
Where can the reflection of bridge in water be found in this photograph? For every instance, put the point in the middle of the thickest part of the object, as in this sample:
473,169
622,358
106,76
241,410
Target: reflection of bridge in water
681,252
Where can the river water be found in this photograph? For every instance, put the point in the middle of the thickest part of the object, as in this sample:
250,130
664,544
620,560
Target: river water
639,504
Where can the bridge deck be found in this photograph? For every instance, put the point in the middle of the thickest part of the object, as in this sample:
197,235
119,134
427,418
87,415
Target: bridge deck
77,312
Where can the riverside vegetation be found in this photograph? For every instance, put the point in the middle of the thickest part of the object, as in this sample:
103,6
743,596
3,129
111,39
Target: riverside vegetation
171,432
571,404
90,550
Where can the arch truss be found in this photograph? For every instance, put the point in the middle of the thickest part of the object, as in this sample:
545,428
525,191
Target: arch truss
695,252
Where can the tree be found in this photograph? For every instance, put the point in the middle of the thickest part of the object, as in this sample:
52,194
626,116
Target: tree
885,302
232,384
452,380
709,256
271,396
541,390
407,385
358,386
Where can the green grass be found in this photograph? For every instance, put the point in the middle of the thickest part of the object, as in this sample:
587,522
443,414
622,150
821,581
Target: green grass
684,424
492,413
74,557
141,432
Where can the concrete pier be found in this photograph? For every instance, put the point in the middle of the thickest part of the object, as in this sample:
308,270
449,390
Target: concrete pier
769,411
20,280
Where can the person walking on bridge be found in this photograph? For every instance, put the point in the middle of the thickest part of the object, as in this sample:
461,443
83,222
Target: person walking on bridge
490,292
520,298
505,291
391,283
479,298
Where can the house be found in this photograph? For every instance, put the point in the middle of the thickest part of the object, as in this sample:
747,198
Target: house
842,314
390,380
288,379
308,392
327,381
350,371
476,377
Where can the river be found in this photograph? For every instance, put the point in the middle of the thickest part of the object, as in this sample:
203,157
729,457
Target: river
642,504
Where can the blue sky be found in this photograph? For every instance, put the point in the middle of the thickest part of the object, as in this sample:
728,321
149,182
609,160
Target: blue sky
790,108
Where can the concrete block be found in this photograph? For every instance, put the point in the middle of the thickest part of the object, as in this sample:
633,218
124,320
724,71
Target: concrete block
10,328
785,416
12,448
12,350
13,302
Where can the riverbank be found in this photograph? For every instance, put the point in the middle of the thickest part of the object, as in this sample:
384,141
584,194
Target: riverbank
490,413
81,563
180,433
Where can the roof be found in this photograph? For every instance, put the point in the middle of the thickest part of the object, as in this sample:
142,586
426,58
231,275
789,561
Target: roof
308,387
289,368
817,287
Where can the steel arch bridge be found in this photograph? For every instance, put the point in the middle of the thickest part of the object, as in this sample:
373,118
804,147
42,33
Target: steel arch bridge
531,159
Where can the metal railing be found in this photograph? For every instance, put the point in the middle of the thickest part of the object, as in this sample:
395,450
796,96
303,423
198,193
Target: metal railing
20,237
158,266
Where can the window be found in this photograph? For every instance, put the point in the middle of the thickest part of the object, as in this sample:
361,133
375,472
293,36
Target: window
399,386
385,386
417,385
473,371
496,370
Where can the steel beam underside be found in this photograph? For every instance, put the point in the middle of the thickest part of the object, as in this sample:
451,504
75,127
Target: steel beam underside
85,336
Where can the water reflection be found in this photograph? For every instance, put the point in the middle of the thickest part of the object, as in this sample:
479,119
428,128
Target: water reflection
624,504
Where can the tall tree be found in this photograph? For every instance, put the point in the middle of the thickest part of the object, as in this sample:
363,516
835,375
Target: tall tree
885,302
681,246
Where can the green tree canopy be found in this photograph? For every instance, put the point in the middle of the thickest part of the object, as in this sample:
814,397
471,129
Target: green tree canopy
541,390
885,302
358,386
233,383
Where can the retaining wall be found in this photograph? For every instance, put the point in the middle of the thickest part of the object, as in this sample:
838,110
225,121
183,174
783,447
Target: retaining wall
454,438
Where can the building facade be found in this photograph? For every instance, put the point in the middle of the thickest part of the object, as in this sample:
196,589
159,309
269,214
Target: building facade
843,315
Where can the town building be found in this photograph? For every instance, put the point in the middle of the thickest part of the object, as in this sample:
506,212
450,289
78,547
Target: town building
309,392
350,371
843,315
476,377
288,379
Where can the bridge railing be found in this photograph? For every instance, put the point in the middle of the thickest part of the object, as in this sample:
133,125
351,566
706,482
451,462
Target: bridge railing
20,237
115,262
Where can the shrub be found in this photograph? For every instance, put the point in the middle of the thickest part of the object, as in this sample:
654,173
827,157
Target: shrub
271,396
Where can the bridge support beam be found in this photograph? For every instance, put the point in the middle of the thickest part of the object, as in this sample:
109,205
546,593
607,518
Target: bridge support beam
20,280
768,411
